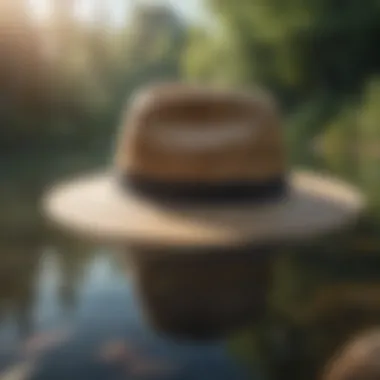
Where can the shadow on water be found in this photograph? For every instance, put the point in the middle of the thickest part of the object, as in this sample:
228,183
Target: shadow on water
203,295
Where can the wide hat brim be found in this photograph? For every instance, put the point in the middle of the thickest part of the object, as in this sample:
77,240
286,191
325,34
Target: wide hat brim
97,206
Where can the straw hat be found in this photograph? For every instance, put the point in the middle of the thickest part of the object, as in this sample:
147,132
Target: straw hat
200,167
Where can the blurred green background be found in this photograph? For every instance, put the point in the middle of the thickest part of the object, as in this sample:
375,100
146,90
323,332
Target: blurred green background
68,68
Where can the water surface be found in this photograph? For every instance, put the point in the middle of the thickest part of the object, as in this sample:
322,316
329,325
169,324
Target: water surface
73,310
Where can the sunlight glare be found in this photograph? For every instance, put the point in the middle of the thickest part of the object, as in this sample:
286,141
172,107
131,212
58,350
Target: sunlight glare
40,8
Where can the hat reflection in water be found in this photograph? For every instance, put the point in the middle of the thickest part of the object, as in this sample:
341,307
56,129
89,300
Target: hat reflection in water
202,168
203,297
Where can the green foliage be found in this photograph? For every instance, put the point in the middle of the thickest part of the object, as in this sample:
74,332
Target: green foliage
316,55
300,47
214,59
68,80
351,142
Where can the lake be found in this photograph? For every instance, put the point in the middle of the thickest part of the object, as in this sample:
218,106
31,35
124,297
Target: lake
70,309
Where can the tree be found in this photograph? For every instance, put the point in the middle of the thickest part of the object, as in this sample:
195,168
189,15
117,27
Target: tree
215,59
303,46
23,91
314,54
66,80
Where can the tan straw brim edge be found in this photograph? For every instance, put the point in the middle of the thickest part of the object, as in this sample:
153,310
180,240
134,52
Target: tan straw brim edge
95,206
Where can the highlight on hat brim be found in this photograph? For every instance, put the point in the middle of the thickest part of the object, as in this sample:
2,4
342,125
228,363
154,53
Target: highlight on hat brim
97,206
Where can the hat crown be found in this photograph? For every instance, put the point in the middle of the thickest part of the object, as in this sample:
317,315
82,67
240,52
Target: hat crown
179,133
